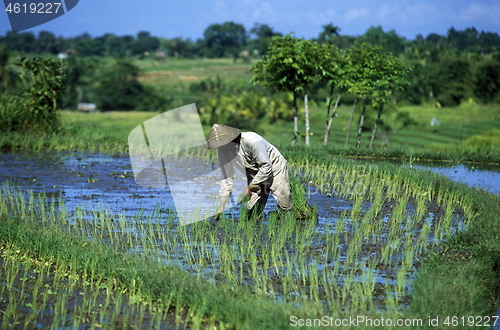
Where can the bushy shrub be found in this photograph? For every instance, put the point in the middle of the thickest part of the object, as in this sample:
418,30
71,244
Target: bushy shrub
246,110
487,80
13,113
452,96
35,109
487,141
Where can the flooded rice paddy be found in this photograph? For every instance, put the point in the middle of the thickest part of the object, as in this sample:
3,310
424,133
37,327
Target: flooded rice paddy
359,252
484,177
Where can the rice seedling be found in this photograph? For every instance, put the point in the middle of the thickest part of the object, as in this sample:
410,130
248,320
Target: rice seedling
333,262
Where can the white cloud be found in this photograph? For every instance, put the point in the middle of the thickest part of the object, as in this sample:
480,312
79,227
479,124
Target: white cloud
386,13
355,14
480,13
421,15
263,12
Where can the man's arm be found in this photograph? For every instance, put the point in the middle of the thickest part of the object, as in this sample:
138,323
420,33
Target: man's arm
226,187
261,155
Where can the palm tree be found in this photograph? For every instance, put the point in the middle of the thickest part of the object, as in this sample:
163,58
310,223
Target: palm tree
328,34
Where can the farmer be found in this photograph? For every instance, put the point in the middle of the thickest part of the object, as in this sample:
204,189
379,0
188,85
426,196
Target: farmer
263,164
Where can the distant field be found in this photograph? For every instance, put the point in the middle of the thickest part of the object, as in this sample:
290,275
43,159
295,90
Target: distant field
174,76
456,126
184,71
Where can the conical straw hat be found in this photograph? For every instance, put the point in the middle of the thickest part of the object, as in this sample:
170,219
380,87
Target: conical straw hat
221,135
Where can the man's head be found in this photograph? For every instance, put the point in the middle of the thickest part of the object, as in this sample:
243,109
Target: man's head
223,137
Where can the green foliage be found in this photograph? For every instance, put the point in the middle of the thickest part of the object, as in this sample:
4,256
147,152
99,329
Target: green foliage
117,87
224,40
389,41
145,43
246,110
374,74
208,85
9,78
332,65
448,68
80,80
487,80
452,80
36,109
329,35
13,113
488,141
403,120
288,65
111,84
263,35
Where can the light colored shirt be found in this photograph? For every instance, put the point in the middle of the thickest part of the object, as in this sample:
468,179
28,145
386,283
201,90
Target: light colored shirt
255,157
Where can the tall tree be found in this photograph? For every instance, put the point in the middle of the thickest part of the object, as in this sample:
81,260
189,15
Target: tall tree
389,41
22,42
118,87
263,35
329,34
145,43
87,46
487,80
331,67
289,65
225,39
360,64
47,42
309,61
115,46
389,78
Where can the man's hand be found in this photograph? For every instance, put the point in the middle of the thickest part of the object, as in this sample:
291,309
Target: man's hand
221,208
249,189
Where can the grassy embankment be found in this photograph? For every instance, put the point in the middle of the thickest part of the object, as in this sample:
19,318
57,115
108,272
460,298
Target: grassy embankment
108,132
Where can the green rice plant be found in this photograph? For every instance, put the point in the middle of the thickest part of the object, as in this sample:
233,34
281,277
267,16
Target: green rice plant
305,257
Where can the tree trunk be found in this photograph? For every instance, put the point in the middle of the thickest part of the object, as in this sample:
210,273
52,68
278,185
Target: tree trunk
350,123
361,120
376,125
328,106
330,118
306,106
295,118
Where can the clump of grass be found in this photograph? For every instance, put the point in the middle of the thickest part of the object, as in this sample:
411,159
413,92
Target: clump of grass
363,259
45,293
149,280
333,265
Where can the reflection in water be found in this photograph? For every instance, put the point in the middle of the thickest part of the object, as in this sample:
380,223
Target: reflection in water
93,181
487,179
96,182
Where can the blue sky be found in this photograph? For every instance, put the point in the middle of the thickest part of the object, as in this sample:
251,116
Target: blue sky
188,19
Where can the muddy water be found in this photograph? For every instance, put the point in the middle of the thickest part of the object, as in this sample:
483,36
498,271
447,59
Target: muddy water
96,182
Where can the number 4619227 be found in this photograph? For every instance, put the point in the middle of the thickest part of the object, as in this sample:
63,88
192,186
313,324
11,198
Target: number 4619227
33,8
